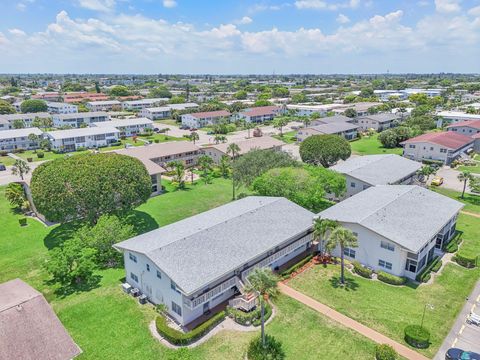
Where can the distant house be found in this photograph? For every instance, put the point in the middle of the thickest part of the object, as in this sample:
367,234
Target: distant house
362,108
307,109
259,114
441,146
90,137
107,105
347,130
202,119
76,97
468,128
78,119
156,157
335,119
18,139
263,143
398,227
378,122
7,121
453,117
164,112
196,265
29,328
363,172
128,127
47,96
61,108
135,105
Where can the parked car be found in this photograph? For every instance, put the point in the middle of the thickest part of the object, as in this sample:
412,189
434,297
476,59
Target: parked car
437,181
2,167
157,130
459,354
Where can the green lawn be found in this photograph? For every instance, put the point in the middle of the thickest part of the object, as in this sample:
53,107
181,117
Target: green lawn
473,169
370,145
470,226
471,201
388,309
170,122
107,324
288,137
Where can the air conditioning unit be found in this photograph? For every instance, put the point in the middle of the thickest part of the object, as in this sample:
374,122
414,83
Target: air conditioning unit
127,288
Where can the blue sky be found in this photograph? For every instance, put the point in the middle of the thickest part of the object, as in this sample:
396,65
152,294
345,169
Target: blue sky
242,37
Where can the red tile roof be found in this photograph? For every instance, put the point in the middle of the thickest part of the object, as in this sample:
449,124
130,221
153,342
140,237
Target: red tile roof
476,136
468,123
201,115
449,139
261,110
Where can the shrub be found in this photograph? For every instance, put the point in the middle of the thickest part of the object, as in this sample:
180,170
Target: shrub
417,336
40,154
271,351
425,275
29,159
391,279
452,245
361,270
81,148
249,318
437,266
286,273
156,141
179,338
465,260
385,352
439,163
22,221
3,152
268,313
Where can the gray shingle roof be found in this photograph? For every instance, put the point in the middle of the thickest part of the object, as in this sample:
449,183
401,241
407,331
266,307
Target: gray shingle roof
332,119
383,117
201,249
407,215
378,169
334,128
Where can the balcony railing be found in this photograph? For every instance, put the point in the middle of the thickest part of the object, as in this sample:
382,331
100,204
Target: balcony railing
211,293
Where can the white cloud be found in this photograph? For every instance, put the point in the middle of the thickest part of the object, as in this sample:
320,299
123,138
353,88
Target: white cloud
244,20
342,19
97,5
447,6
17,32
475,11
325,5
169,3
21,7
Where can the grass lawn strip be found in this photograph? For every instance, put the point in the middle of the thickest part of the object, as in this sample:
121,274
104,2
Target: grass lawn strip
370,145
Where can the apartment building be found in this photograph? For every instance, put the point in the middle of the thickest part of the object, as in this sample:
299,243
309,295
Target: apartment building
107,105
61,108
202,119
128,127
78,120
7,121
90,137
136,105
18,139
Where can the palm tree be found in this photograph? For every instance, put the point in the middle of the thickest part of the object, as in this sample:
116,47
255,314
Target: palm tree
264,282
280,122
178,168
194,136
34,138
20,168
464,176
426,171
322,228
249,126
224,165
307,120
344,238
15,195
205,164
233,150
219,138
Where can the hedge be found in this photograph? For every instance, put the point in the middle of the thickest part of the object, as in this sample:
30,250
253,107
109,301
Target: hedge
268,313
465,260
286,273
361,270
385,352
417,336
390,279
249,318
432,162
180,338
425,275
452,245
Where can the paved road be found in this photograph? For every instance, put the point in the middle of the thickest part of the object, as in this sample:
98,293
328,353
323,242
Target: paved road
350,323
463,335
450,179
6,176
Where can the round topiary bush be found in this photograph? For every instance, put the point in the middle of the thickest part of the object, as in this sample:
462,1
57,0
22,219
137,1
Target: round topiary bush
385,352
271,351
417,336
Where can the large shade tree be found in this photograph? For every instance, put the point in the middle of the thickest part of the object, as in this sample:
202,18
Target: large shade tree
324,150
33,106
89,185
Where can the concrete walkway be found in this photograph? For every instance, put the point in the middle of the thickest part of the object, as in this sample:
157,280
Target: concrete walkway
350,323
470,213
452,338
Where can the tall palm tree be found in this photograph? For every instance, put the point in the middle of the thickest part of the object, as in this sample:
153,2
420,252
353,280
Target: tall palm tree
425,172
344,238
249,126
205,164
224,165
280,122
464,176
194,136
178,168
34,138
233,150
322,228
20,168
264,282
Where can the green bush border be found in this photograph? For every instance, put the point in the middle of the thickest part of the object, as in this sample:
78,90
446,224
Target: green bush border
249,318
391,279
385,352
361,270
466,261
417,336
286,273
180,338
425,274
453,244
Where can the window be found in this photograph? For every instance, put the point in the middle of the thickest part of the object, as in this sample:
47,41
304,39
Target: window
443,150
173,286
159,274
148,267
431,148
349,252
411,265
134,277
132,257
176,308
385,264
387,245
352,184
411,146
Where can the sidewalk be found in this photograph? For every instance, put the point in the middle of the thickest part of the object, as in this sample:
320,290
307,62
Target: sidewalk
403,350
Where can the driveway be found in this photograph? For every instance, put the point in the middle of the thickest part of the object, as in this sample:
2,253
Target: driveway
463,335
450,179
6,176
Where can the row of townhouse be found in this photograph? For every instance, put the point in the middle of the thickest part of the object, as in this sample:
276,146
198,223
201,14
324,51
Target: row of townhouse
362,109
136,105
61,108
78,120
252,115
164,112
7,121
199,264
453,117
18,139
